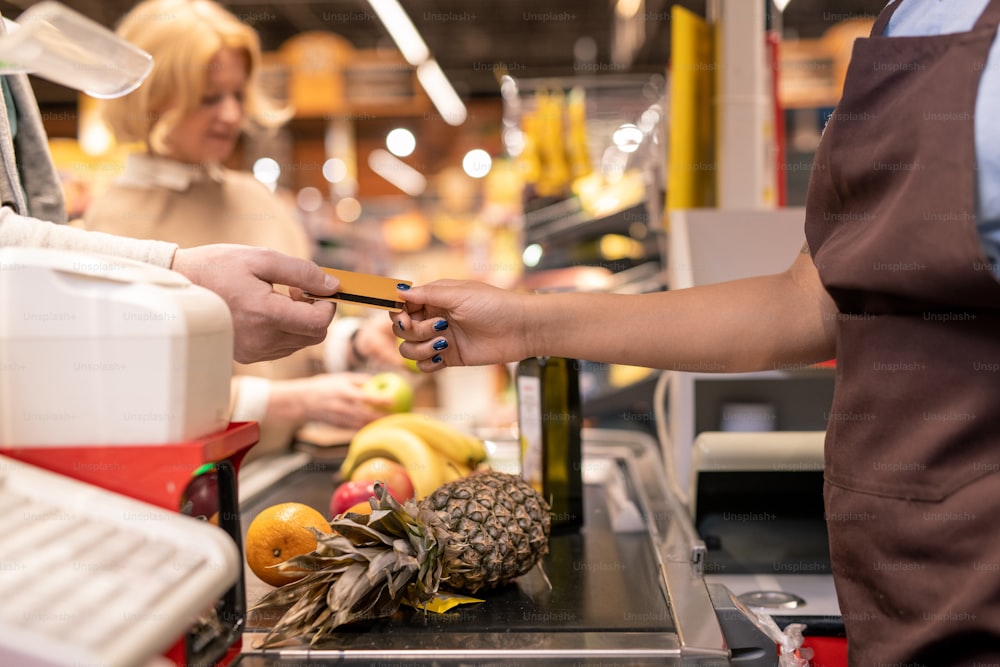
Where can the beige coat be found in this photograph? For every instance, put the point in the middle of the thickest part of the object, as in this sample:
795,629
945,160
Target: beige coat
157,198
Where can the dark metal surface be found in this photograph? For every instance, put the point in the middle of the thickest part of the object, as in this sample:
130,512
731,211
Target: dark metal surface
607,602
600,580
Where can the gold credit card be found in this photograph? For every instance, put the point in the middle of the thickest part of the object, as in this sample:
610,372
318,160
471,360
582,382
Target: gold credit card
364,289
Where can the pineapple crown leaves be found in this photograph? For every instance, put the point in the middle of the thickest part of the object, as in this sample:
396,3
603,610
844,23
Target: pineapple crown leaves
366,568
473,533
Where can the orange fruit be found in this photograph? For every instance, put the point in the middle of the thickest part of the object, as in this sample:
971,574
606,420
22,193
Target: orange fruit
364,507
278,533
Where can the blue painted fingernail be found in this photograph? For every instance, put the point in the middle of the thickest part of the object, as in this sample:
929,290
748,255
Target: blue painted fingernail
440,345
440,325
399,323
402,286
436,358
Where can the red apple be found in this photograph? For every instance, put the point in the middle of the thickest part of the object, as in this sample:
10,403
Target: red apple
201,497
392,473
348,494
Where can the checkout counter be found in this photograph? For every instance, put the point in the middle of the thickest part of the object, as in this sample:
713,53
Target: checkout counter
627,589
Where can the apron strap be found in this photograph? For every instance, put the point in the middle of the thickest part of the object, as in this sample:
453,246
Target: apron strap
990,18
883,18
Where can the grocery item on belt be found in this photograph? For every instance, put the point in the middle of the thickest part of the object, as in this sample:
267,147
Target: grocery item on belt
472,534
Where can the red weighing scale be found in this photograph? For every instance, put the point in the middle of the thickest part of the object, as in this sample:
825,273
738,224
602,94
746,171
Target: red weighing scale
175,477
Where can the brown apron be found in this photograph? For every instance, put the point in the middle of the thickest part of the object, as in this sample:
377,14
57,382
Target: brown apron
913,440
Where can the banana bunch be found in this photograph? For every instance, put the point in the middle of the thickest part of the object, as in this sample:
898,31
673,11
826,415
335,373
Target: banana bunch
556,172
432,451
576,145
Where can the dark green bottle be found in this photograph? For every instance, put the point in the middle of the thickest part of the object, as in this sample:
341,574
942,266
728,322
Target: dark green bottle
549,424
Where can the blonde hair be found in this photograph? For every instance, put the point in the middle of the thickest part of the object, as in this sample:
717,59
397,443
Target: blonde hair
182,36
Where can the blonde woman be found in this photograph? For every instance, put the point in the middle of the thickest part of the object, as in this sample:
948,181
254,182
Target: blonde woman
188,115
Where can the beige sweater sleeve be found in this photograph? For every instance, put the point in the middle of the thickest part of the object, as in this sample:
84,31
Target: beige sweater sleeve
17,230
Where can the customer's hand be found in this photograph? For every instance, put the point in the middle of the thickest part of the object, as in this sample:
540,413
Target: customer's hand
377,345
332,398
462,323
268,324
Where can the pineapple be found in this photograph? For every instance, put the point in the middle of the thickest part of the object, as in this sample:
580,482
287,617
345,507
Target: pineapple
475,533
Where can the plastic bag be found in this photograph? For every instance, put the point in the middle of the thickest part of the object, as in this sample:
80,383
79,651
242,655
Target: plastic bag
789,641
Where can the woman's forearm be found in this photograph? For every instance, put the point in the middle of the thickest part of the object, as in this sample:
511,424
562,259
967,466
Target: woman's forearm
765,322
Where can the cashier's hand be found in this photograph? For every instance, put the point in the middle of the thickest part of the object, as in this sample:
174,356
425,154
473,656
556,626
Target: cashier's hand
461,323
332,398
267,323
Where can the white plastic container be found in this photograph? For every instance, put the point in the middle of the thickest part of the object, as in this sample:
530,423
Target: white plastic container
98,350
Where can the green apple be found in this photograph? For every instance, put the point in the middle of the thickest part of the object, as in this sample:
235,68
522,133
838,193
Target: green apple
409,364
390,389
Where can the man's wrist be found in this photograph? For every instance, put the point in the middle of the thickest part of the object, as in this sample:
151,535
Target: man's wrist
253,396
358,359
337,354
288,402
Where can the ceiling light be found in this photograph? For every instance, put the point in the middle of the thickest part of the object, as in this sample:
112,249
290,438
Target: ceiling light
442,95
348,209
334,170
513,141
532,255
508,89
627,8
627,138
477,163
649,118
400,142
397,172
401,29
628,32
309,199
267,171
415,51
